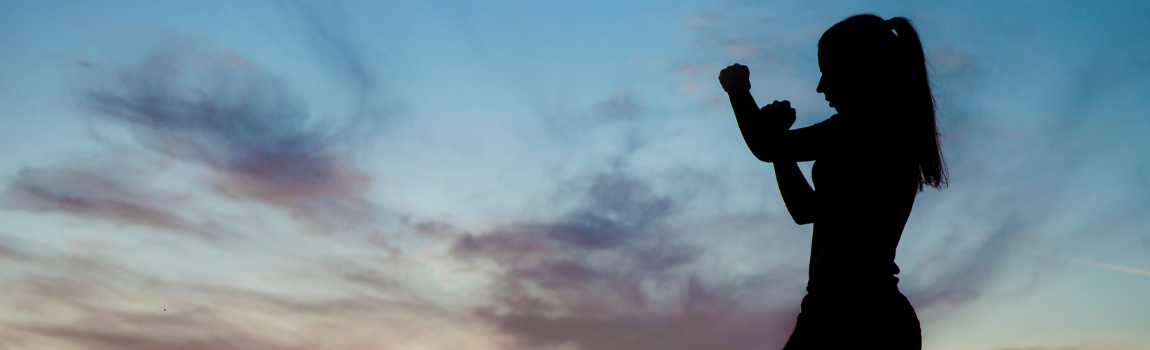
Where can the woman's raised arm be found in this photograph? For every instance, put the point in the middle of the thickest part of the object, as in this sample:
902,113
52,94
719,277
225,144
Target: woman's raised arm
766,141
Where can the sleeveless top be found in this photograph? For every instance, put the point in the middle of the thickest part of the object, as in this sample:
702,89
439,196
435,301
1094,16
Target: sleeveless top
864,191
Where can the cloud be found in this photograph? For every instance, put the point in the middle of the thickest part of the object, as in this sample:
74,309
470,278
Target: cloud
612,238
957,279
241,123
1094,263
611,274
120,340
705,320
9,251
620,105
69,301
328,31
101,191
219,111
619,108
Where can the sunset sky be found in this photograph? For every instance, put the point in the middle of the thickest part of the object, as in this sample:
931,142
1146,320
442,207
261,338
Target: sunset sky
540,175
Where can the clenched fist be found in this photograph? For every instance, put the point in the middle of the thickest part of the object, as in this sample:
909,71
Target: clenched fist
735,77
779,115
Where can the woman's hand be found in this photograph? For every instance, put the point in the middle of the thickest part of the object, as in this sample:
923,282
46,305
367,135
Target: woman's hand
779,115
735,77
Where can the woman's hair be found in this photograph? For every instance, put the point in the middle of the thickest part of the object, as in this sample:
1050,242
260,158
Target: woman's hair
890,52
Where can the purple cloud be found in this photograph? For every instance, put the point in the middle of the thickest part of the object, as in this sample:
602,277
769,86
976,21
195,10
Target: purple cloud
229,116
218,110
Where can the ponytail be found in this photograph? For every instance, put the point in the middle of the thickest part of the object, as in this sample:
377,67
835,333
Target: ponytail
921,104
890,50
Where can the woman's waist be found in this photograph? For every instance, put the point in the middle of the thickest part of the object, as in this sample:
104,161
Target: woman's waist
874,279
857,285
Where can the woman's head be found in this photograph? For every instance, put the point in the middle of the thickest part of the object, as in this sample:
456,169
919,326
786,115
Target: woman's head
878,65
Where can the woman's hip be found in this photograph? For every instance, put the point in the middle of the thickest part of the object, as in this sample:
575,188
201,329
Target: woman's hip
856,318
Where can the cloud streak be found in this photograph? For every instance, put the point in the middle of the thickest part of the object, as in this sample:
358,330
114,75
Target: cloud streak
111,306
1092,263
100,192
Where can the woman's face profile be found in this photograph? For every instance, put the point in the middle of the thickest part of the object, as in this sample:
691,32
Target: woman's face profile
831,80
849,82
841,84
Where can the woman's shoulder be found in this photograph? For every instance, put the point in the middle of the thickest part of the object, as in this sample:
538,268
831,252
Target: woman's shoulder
834,119
833,124
845,122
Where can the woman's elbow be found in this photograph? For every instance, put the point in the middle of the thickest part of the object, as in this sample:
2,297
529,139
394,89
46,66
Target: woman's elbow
801,217
762,155
764,150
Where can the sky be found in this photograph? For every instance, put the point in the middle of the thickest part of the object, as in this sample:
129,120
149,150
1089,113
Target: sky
540,175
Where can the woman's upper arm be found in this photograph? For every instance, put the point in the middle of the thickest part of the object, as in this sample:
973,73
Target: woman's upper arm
798,145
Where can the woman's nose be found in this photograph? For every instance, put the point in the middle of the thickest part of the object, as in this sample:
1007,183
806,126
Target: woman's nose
819,88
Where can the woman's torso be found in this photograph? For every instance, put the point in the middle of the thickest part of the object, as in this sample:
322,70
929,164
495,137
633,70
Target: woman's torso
864,194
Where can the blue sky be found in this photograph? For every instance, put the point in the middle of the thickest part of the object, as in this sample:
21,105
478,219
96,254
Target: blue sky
515,175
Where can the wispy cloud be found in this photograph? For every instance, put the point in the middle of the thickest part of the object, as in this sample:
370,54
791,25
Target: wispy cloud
220,111
1111,267
610,274
620,107
241,123
101,191
603,245
112,306
327,29
956,278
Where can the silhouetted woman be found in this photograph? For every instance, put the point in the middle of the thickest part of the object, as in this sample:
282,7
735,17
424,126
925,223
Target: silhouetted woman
871,159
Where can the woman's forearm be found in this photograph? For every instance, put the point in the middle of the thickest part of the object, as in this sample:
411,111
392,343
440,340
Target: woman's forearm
751,123
797,194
